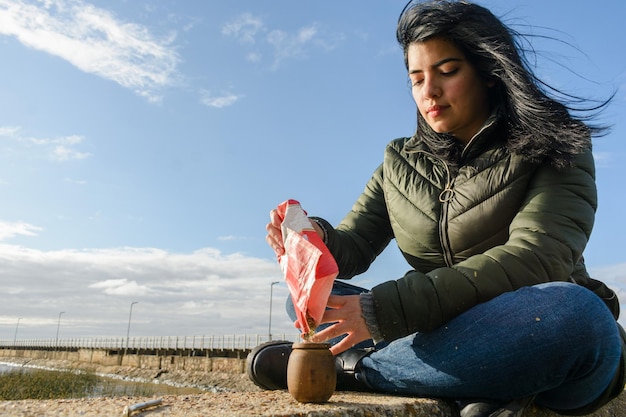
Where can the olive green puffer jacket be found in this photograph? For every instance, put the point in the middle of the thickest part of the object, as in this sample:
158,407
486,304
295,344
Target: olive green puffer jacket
497,225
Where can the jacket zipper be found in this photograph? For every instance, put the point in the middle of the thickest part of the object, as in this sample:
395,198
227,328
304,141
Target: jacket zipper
444,198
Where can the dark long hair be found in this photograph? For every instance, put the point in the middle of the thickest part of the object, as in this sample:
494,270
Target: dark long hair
540,127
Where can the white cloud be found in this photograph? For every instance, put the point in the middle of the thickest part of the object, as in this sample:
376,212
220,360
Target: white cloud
121,287
233,238
93,40
64,153
220,100
9,131
12,229
615,277
612,274
287,46
58,149
252,32
199,293
245,28
254,57
74,181
603,159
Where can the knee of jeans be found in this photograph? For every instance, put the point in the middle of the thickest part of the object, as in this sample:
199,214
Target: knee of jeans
586,306
290,308
343,288
575,301
574,292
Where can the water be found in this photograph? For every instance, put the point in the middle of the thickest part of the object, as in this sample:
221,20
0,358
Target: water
116,387
5,368
108,386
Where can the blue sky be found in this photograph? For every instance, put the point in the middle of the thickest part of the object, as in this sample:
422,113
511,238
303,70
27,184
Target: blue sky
143,144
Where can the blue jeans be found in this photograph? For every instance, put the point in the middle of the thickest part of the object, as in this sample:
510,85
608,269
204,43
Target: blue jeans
557,341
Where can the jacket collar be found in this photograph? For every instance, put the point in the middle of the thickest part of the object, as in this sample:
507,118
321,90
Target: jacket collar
477,143
485,136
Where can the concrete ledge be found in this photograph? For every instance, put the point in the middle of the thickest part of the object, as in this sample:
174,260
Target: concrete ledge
272,404
264,404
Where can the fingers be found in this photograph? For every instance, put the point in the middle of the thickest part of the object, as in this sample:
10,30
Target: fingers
274,237
345,315
342,307
342,346
336,301
350,339
333,315
275,218
328,333
338,329
275,241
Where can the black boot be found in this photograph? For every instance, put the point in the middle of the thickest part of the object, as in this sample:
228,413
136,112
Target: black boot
266,366
514,408
349,377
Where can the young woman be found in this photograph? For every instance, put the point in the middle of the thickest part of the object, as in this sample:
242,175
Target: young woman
491,202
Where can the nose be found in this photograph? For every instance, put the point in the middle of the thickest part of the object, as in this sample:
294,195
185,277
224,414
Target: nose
430,89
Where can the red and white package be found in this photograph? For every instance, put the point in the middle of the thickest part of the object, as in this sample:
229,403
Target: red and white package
307,264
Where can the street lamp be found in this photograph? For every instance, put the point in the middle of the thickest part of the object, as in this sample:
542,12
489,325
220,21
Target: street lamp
271,298
58,326
16,327
129,317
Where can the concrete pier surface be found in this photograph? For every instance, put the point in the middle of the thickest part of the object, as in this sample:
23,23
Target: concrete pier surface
261,404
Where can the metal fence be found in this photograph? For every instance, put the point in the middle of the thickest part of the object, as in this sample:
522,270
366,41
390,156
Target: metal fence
223,342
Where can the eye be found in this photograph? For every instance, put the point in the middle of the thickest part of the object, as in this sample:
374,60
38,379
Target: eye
449,73
416,81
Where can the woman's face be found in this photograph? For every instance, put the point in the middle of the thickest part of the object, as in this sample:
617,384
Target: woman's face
448,91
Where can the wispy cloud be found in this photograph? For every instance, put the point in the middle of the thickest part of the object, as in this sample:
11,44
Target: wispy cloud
252,32
63,149
58,149
232,238
11,229
93,40
288,46
603,159
244,28
218,100
121,287
615,277
74,181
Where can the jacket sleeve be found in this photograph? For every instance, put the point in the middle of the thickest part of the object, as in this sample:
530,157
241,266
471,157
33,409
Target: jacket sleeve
546,241
363,233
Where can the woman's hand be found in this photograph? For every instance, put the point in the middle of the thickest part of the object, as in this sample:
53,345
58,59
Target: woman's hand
345,312
274,236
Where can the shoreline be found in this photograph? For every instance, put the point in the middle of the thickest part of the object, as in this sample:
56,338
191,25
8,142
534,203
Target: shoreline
213,382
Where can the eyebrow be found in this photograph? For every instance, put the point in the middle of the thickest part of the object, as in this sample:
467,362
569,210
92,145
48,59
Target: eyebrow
437,64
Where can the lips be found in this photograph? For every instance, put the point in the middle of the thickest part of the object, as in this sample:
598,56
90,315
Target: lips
435,111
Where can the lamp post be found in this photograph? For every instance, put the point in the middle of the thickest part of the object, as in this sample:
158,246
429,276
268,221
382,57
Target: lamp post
271,298
16,327
130,315
58,326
